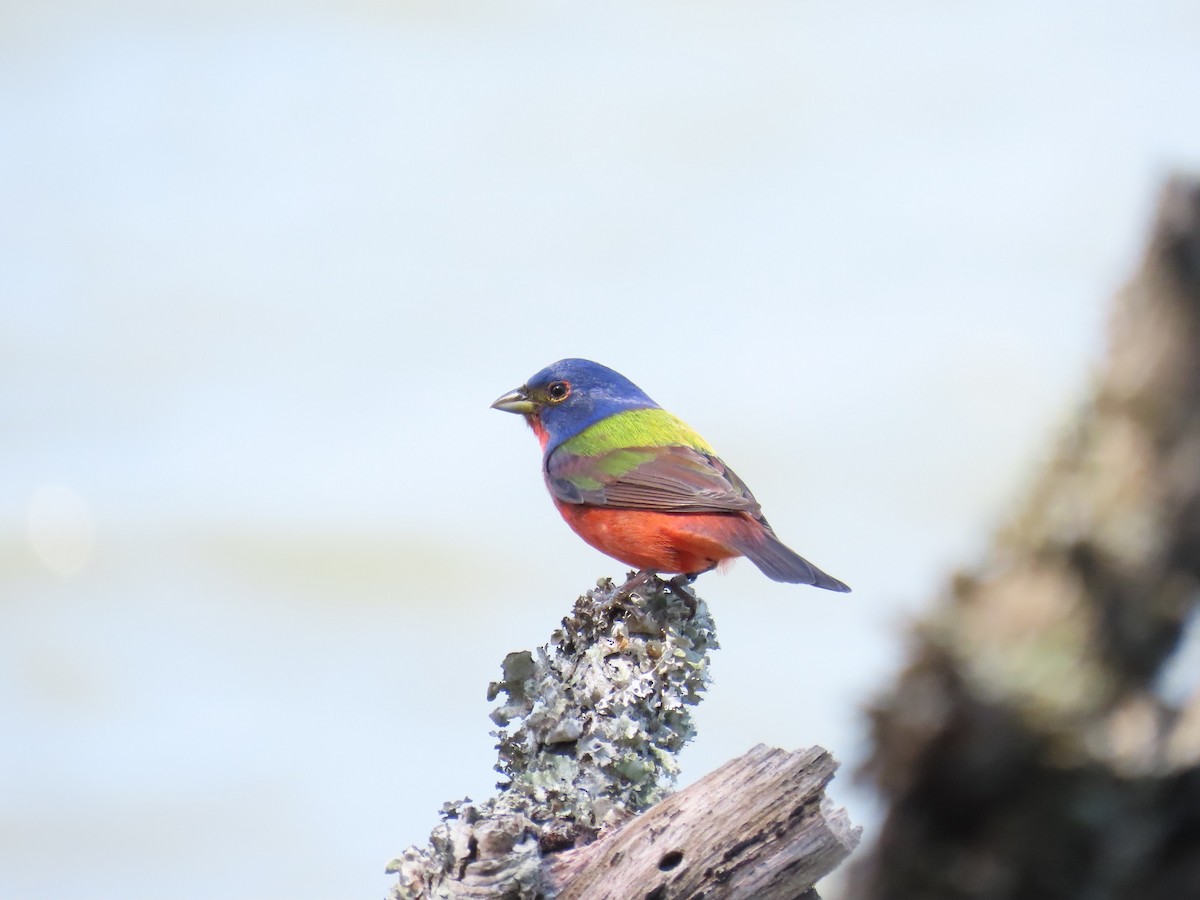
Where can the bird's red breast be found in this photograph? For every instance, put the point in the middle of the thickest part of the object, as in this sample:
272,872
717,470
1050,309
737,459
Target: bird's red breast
665,542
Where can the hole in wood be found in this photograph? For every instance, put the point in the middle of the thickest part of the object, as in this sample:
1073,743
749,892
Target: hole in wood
670,860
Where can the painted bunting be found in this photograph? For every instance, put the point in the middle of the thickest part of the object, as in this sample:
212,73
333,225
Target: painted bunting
638,484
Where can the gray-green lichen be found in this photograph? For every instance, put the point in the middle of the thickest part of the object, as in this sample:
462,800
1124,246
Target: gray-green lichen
590,729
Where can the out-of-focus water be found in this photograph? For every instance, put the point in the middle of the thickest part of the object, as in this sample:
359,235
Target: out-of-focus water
262,269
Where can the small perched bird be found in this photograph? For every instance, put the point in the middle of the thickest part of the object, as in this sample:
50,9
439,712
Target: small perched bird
638,484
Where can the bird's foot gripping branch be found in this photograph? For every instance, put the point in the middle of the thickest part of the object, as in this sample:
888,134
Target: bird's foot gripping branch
590,728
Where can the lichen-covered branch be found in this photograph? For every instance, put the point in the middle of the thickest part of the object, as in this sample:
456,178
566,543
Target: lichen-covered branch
590,728
1026,750
604,708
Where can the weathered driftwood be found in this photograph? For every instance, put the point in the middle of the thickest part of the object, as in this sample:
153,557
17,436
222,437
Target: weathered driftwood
589,733
1027,750
758,827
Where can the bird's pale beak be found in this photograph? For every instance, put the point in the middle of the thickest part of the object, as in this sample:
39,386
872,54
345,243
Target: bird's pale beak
516,402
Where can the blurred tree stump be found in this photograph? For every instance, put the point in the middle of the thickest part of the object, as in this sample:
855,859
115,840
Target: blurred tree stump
1028,750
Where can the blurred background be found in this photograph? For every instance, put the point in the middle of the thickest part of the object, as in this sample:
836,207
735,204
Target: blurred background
263,266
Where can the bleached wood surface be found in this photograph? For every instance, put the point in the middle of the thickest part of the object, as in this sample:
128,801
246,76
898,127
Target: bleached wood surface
758,827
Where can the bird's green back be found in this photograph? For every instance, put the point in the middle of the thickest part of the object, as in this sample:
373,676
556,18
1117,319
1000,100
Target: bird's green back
635,428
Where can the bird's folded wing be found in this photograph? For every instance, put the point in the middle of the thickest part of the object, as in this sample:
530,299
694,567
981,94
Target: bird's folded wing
667,479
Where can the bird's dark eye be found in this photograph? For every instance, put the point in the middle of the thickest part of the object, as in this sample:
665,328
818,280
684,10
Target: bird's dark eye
558,391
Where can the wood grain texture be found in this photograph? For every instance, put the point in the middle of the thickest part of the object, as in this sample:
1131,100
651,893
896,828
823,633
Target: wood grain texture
758,827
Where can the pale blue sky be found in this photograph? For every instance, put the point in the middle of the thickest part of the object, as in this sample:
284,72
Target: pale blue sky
263,266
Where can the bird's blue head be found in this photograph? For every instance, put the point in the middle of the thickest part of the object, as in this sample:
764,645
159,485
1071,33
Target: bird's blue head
567,396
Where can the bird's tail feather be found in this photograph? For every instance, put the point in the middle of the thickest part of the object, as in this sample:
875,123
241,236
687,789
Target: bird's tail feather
780,563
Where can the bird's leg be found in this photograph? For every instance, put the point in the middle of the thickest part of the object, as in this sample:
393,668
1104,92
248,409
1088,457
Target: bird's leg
633,582
681,587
